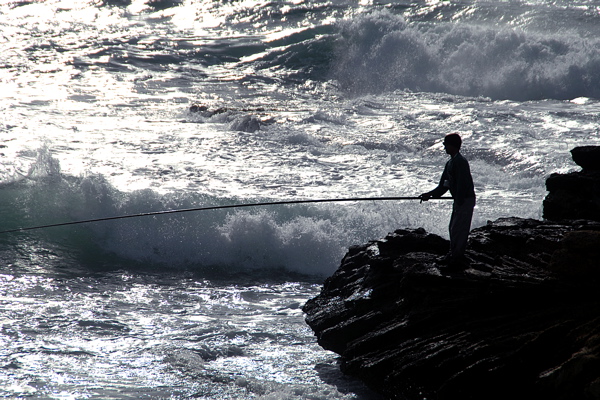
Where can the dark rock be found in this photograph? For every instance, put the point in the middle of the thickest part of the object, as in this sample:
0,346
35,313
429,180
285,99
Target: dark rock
242,123
205,111
576,195
521,322
579,255
245,123
587,157
198,108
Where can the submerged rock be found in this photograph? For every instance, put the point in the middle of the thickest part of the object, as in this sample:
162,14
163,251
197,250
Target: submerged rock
508,326
245,123
205,111
237,122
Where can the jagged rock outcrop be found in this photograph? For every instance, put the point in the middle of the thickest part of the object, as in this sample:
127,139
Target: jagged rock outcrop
521,322
576,195
507,327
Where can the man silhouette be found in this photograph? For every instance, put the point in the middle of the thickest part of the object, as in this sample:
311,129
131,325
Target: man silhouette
456,178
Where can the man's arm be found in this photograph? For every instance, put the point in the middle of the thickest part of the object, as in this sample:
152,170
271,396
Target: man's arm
438,191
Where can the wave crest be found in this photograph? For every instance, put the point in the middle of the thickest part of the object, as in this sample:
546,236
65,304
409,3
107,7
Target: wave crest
382,52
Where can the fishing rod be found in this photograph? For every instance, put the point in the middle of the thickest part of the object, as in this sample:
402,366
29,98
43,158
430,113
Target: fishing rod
185,210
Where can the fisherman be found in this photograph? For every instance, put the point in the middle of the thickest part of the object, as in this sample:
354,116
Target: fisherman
456,178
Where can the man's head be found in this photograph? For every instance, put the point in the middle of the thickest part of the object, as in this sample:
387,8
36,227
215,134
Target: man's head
452,143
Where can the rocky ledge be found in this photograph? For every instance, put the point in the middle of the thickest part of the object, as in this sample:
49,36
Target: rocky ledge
521,322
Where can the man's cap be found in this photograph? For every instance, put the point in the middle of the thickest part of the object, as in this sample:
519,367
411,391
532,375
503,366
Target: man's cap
453,139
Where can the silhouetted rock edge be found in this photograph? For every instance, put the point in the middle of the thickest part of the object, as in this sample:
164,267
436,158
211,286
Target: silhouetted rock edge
521,322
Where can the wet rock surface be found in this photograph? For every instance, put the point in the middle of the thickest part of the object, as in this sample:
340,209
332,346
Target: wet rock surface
508,326
520,321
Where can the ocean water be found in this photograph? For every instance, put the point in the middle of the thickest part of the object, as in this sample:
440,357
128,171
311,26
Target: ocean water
301,100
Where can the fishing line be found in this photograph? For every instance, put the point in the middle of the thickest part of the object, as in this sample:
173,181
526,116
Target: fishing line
184,210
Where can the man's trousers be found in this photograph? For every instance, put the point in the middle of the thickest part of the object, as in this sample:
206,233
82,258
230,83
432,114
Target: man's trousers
460,225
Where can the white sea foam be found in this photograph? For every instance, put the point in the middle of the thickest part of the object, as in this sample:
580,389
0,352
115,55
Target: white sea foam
381,52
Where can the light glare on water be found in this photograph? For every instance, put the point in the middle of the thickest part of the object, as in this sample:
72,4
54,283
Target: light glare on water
156,336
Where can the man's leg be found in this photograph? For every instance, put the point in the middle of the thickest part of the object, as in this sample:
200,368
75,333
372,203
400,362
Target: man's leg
460,226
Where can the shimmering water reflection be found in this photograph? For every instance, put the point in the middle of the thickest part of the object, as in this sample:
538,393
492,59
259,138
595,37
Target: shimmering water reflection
122,335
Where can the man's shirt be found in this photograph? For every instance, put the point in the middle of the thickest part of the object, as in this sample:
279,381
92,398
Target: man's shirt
456,178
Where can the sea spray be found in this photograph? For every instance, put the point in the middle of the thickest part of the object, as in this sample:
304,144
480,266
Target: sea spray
303,238
380,51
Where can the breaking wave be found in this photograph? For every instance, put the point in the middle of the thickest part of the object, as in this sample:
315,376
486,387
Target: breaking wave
383,52
305,239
